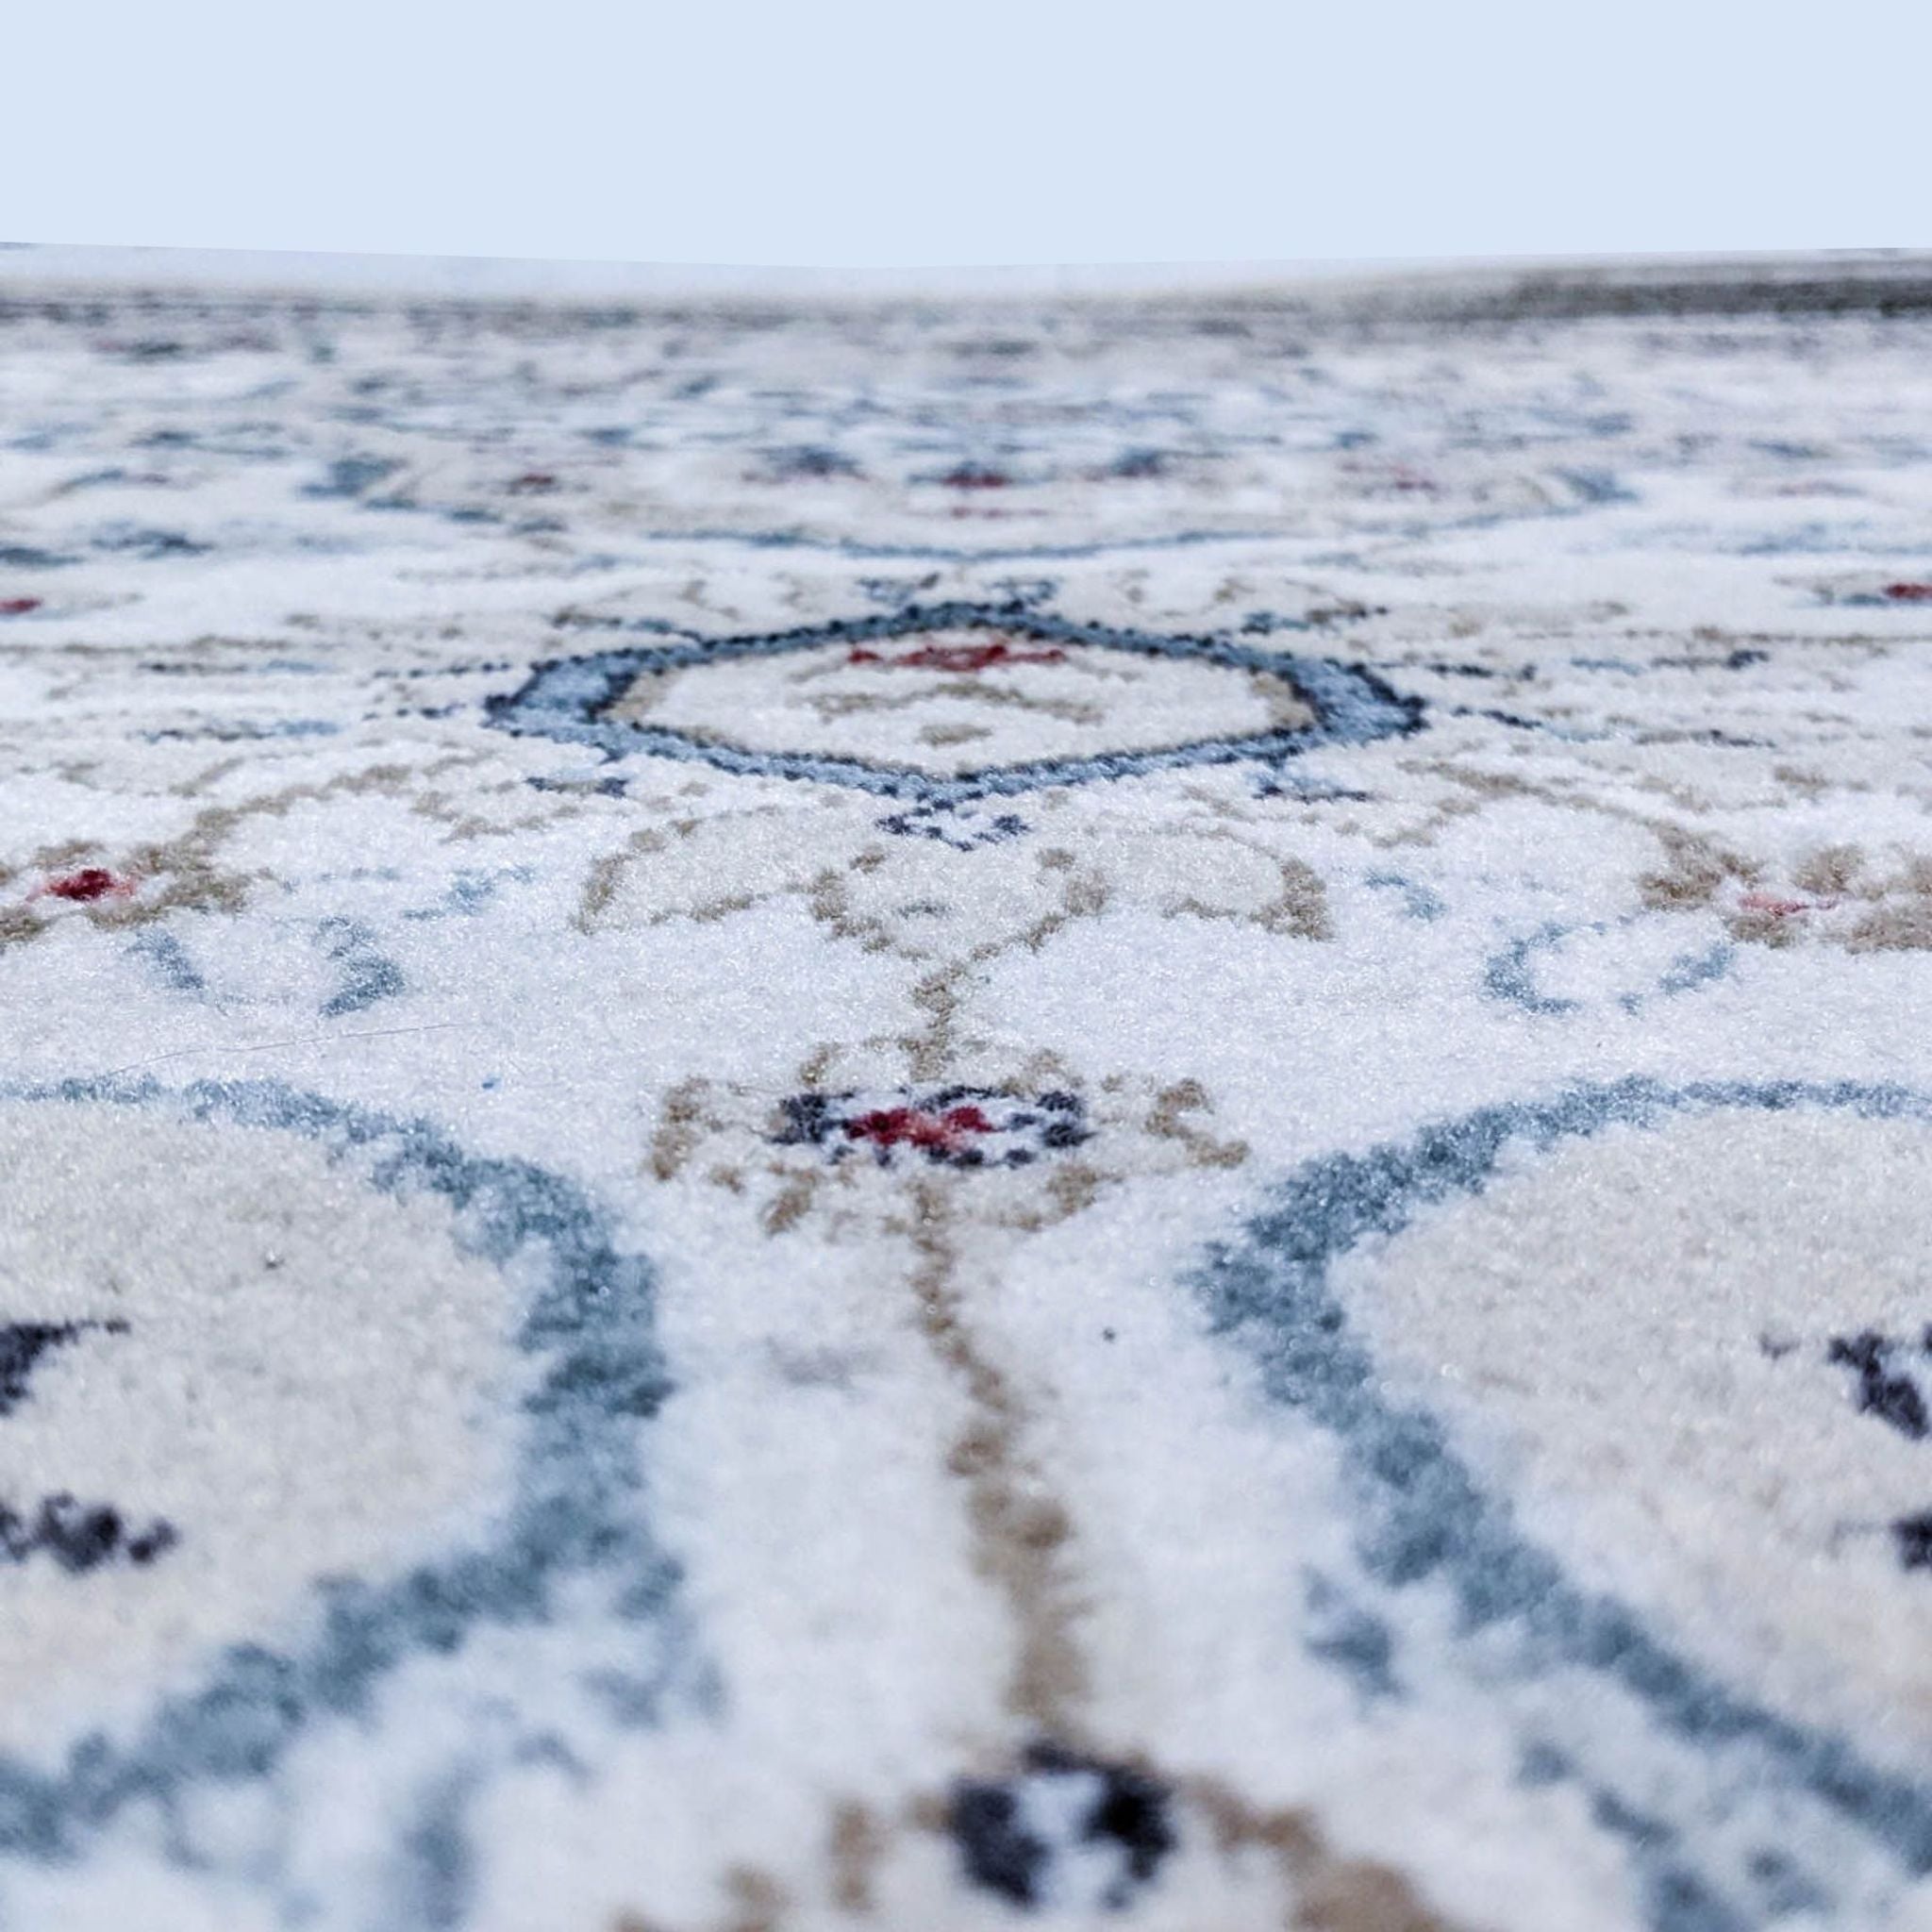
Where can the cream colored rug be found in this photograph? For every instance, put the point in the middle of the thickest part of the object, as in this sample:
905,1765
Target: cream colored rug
1104,1113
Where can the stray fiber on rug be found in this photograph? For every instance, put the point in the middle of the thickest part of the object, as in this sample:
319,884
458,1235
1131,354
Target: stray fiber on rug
964,1113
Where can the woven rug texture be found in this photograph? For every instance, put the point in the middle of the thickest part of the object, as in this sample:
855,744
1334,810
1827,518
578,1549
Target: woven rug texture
968,1112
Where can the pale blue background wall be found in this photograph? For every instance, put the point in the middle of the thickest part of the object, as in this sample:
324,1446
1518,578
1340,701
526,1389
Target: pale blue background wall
969,131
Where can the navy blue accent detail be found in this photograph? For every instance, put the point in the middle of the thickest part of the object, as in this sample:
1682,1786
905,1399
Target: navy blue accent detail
169,961
80,1537
957,826
233,731
594,788
1688,971
1424,1517
951,1127
129,540
470,892
1353,1639
577,1507
23,1344
1676,1897
1597,486
1517,723
1506,975
349,477
1911,1538
943,553
1126,1812
368,976
1892,1398
1276,780
807,462
567,699
435,1884
1418,901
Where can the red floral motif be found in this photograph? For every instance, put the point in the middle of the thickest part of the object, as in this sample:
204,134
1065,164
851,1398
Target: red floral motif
84,887
976,476
931,1132
18,606
950,1126
957,657
1909,593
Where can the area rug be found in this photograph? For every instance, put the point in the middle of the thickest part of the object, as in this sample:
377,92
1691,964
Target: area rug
966,1112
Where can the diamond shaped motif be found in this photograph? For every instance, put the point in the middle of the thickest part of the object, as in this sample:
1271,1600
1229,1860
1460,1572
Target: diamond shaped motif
954,701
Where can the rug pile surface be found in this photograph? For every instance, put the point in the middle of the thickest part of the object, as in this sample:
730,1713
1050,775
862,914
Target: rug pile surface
968,1113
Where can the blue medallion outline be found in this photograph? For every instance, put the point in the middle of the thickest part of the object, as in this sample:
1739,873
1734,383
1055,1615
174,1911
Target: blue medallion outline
575,1504
1423,1515
569,699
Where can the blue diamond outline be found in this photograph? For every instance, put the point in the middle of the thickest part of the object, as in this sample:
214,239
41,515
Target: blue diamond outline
565,698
